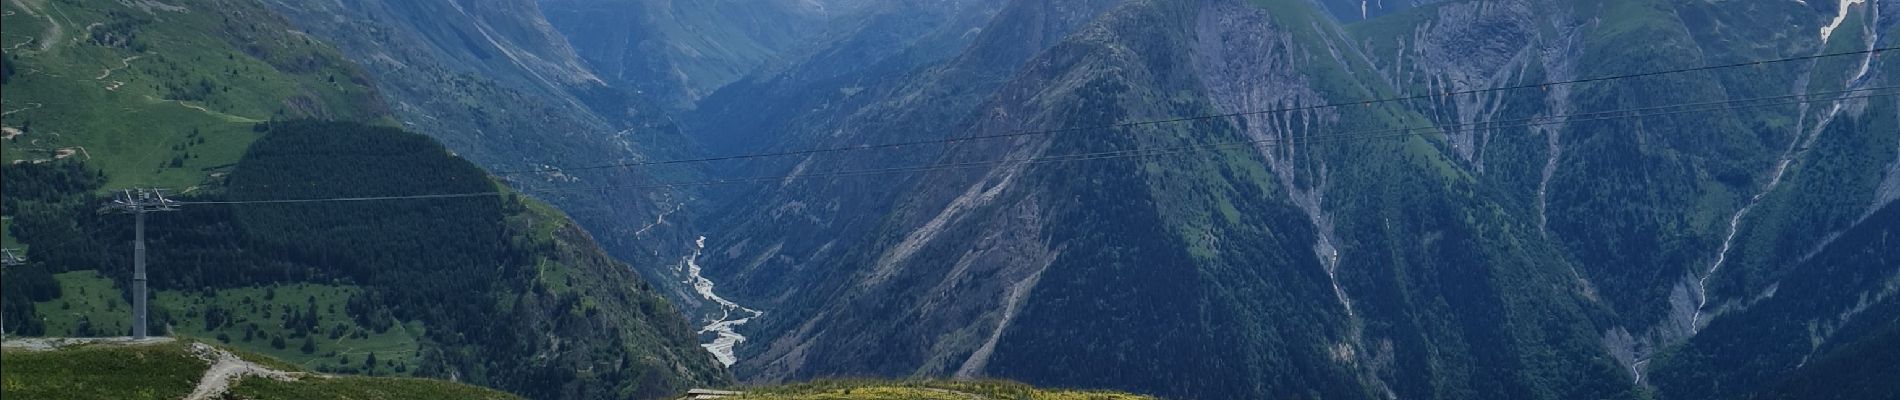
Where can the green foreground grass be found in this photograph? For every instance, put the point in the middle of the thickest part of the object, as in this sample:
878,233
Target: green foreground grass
159,371
172,371
357,387
925,390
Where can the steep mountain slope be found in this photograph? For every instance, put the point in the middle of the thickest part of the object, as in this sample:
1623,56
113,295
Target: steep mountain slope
681,51
823,212
1835,308
1857,371
1359,10
1028,223
1688,219
580,325
823,84
499,85
1550,257
192,96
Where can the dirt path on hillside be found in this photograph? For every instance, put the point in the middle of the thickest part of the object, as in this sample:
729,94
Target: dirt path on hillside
30,106
661,220
29,40
227,368
65,152
113,86
53,343
125,63
53,29
971,396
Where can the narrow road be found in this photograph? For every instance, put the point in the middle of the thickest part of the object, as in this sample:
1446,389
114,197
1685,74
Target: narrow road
661,220
126,63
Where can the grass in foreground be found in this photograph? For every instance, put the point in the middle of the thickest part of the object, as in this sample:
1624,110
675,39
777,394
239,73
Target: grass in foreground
925,390
356,387
171,371
159,371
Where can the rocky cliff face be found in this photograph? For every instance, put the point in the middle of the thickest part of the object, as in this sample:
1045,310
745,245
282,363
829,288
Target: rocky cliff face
1665,288
830,213
681,51
1484,235
1489,241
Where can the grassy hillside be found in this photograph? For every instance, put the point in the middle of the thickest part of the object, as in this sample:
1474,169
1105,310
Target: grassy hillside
442,80
415,285
183,95
171,370
162,96
161,371
924,390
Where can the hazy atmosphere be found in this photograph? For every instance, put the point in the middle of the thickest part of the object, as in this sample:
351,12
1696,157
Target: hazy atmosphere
950,199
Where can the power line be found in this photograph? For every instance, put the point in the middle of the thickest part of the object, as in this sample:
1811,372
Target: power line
353,199
138,203
1362,135
1195,118
1404,132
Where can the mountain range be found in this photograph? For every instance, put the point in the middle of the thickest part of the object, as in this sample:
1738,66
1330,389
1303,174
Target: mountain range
1673,199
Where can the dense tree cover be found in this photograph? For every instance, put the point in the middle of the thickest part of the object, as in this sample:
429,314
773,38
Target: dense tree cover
468,268
39,198
6,68
1820,310
457,245
1862,370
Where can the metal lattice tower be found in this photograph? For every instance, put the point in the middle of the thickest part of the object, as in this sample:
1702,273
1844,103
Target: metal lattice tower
9,258
138,202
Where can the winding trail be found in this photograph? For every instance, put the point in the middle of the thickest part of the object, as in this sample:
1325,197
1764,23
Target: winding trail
29,40
115,85
53,29
227,368
66,152
207,111
30,106
124,63
726,325
661,220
